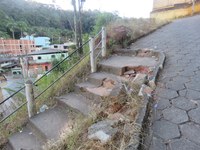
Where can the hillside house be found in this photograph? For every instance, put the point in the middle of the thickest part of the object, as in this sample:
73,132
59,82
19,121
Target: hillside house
16,47
40,42
41,61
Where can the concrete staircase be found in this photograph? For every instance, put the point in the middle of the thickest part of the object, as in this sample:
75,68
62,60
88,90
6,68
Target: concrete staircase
50,124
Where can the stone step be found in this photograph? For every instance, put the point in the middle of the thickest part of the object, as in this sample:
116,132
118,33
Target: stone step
98,78
49,125
91,91
111,69
77,102
118,64
24,140
97,93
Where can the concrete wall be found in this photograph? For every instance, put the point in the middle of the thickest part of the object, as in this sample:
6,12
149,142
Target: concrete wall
160,4
175,12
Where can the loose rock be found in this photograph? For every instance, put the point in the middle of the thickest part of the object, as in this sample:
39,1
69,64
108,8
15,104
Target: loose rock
140,79
102,130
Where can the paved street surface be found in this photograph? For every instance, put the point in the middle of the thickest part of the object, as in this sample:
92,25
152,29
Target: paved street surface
176,121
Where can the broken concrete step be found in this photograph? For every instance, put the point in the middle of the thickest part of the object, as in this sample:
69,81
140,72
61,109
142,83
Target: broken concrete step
49,125
118,64
24,140
98,78
111,69
77,102
91,91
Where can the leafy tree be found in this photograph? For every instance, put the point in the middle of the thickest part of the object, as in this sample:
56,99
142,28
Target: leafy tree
22,16
103,19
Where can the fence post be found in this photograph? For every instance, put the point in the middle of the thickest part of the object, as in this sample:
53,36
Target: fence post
103,42
92,56
30,98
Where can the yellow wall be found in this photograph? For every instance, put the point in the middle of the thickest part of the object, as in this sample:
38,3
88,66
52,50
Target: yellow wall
159,4
175,13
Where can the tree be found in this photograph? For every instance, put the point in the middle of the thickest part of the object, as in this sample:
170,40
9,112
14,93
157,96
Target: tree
22,26
103,19
12,27
78,24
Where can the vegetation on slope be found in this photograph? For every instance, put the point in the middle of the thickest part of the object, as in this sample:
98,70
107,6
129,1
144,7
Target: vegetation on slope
20,17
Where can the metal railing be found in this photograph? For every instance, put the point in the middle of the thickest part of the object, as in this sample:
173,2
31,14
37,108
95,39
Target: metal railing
32,90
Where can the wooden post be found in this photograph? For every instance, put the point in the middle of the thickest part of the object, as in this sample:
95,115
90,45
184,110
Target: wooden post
103,42
30,98
23,68
92,56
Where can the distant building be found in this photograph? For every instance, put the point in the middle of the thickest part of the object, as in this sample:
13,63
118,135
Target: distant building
7,63
41,61
64,46
16,47
16,72
43,42
171,9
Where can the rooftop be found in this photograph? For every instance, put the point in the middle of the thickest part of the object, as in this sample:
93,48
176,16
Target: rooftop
47,51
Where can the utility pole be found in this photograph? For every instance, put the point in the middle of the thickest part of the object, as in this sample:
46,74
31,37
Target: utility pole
75,23
193,7
78,24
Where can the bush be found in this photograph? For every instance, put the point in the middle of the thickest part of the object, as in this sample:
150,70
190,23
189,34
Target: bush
124,31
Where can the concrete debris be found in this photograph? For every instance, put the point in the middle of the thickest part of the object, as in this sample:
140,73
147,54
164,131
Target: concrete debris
129,72
100,135
140,79
108,83
145,90
43,108
102,130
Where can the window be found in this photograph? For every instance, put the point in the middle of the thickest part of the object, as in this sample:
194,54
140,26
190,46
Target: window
46,68
65,47
55,46
63,55
30,58
39,57
53,56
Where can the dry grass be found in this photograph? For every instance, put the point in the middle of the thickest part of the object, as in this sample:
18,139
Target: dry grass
12,124
128,103
65,84
124,31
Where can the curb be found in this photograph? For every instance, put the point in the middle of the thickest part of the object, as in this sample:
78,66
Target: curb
143,118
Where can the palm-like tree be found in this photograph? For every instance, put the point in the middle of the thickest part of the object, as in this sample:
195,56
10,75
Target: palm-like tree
12,27
22,26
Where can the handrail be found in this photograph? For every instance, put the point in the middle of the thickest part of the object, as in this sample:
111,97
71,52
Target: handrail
61,62
62,75
47,87
12,95
13,112
91,40
45,73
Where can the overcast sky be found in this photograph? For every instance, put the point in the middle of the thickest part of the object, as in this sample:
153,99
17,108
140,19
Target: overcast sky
125,8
